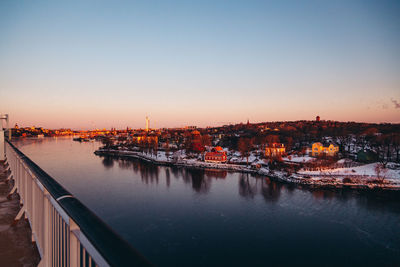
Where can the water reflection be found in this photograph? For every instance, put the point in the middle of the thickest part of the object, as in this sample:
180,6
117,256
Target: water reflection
199,179
271,190
167,177
218,174
249,185
108,162
149,173
200,183
253,219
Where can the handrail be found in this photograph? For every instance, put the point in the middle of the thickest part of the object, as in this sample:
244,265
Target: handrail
95,237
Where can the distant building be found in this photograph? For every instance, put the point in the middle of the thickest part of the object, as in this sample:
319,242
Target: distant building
216,155
317,118
141,137
190,127
147,124
196,136
275,149
318,149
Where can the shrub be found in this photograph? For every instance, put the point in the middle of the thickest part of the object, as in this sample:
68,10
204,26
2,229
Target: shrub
347,180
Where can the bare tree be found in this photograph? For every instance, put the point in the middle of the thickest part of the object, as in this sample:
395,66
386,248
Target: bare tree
206,140
188,142
381,172
270,139
142,145
289,143
154,147
245,146
396,146
167,148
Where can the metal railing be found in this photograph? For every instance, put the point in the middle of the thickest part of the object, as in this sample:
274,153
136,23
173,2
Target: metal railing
65,231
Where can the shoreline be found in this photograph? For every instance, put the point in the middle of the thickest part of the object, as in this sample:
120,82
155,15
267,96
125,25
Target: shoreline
193,163
315,181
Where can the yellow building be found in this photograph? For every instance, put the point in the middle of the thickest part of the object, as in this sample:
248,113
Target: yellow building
318,149
148,138
275,149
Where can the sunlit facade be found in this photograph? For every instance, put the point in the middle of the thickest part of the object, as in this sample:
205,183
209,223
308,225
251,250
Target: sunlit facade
318,149
217,155
275,149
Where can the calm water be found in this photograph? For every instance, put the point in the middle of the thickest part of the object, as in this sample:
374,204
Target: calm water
182,217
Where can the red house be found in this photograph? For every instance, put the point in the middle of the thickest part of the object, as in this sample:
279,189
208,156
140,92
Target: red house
216,155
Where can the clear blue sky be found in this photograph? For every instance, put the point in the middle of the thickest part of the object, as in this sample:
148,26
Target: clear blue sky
85,64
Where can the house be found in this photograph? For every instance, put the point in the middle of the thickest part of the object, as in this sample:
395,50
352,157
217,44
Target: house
217,155
144,137
275,149
318,149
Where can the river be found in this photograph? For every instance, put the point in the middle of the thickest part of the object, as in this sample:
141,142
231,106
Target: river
188,217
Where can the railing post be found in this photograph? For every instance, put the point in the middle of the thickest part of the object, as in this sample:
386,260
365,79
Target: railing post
74,254
18,180
2,148
25,190
47,229
33,201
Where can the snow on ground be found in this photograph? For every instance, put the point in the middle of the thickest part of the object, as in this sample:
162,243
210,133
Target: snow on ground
237,158
364,170
332,177
180,160
298,159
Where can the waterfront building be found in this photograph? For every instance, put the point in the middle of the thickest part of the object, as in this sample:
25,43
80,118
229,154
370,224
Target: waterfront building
318,149
275,149
216,155
144,137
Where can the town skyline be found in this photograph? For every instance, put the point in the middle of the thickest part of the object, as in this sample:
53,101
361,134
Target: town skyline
79,65
147,126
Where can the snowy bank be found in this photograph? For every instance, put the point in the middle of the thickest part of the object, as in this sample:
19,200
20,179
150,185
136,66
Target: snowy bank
360,177
162,159
365,172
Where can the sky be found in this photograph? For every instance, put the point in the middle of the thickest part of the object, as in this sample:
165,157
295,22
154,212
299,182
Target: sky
102,64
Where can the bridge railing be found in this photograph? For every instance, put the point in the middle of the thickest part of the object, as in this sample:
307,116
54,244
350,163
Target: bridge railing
65,231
